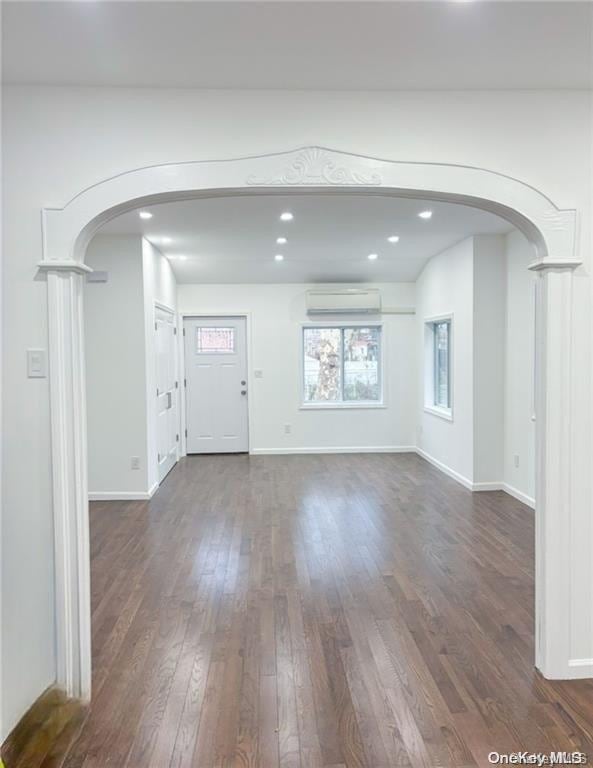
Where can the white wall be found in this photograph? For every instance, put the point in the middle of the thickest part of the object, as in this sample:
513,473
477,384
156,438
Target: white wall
160,287
277,313
519,426
121,363
58,141
484,283
160,284
489,306
115,367
445,287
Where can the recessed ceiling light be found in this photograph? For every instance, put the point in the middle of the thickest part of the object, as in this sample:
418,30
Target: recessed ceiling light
166,240
279,257
286,216
177,256
145,215
281,240
393,238
373,256
425,214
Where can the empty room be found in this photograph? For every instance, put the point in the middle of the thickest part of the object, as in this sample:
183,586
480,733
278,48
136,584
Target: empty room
296,384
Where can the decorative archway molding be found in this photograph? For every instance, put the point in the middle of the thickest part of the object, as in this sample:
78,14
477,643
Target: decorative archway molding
67,231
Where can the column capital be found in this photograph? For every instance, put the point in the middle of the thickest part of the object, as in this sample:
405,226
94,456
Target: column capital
64,265
549,262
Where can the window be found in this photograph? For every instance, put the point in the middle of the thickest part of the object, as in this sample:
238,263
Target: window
441,331
438,367
342,365
215,341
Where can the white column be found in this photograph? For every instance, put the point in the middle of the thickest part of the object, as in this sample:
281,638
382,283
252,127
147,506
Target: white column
553,360
65,282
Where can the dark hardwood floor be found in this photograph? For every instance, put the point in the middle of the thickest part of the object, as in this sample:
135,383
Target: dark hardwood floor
317,611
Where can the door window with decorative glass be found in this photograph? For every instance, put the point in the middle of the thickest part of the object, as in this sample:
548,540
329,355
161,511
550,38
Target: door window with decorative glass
342,365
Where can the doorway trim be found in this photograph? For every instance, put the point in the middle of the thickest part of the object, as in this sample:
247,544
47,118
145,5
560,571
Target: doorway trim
183,316
552,233
159,306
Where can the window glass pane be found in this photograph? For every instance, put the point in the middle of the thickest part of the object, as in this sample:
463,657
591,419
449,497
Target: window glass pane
322,364
441,364
215,341
361,364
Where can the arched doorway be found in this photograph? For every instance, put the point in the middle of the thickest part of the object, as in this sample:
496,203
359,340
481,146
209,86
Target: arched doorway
551,231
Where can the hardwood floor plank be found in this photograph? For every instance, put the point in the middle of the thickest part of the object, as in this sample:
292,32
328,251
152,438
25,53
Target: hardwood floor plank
335,611
268,722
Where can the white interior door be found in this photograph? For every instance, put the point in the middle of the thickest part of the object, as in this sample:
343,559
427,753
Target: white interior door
166,393
216,385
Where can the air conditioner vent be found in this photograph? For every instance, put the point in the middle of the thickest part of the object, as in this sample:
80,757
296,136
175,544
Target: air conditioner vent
344,301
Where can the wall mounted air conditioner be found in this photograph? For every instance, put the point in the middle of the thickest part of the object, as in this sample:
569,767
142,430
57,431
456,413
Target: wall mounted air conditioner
343,301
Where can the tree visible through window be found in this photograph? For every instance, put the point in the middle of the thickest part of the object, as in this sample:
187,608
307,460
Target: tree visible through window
342,364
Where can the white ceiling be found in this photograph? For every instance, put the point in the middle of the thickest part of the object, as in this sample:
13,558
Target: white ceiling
300,45
233,239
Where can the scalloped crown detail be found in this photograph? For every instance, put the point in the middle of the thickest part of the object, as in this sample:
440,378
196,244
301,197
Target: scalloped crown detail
316,167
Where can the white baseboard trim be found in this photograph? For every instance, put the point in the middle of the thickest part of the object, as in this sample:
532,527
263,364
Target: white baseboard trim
339,449
445,469
519,495
477,487
123,495
579,669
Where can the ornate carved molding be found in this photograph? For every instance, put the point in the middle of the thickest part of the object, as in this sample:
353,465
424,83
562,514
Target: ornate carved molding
317,167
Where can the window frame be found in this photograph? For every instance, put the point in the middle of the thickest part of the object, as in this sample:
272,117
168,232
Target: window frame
430,366
342,404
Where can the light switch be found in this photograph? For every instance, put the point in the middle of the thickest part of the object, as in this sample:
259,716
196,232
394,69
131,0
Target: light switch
258,373
36,364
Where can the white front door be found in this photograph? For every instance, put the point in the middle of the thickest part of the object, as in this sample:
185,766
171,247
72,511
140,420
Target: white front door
166,393
216,385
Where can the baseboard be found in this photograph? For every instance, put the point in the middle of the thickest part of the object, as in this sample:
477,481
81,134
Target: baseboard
580,668
477,487
492,486
519,495
446,470
45,731
123,495
339,449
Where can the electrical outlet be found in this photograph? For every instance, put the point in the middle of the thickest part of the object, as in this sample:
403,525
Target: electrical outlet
135,462
287,429
516,460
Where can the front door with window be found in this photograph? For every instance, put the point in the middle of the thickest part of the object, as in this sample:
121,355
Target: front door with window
216,385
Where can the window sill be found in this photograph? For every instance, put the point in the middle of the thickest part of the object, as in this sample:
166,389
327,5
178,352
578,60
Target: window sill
442,413
340,406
